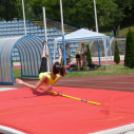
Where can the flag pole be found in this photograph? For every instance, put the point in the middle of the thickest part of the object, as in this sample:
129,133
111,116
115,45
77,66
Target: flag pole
45,37
44,20
24,17
62,26
96,23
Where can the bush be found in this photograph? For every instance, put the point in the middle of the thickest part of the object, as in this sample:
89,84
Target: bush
89,59
116,53
129,54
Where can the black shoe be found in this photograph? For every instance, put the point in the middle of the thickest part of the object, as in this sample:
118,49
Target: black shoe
81,68
44,43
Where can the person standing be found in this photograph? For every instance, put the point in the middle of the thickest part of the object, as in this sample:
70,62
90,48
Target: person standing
78,60
114,31
67,54
83,54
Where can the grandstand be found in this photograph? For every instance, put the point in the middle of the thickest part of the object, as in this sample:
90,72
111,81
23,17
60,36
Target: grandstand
10,29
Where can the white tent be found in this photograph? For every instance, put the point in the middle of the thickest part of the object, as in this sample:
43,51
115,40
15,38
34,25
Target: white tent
85,35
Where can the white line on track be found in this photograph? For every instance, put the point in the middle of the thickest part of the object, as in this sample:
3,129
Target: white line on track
5,89
7,130
118,130
122,82
104,87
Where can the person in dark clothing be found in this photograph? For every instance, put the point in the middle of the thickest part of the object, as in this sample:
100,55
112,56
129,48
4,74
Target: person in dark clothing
78,60
114,31
92,66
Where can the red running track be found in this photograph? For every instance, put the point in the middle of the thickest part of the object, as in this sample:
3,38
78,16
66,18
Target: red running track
39,112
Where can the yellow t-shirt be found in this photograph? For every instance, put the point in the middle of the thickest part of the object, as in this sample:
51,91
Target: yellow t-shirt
50,80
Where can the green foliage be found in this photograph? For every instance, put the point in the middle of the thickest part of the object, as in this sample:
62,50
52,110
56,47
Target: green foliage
129,54
105,11
84,10
109,12
89,58
116,54
122,10
78,11
9,9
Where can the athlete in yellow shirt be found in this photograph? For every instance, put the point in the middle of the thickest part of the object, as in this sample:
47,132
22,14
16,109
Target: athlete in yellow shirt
47,78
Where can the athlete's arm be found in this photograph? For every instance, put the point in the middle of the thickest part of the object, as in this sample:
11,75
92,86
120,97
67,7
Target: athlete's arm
34,87
68,66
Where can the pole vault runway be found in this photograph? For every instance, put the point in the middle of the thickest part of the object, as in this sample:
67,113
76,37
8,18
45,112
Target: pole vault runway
40,112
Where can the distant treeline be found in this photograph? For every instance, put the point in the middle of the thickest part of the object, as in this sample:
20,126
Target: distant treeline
109,12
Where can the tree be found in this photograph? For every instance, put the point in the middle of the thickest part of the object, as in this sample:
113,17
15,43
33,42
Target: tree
109,12
105,12
129,54
89,59
77,11
119,13
116,53
9,9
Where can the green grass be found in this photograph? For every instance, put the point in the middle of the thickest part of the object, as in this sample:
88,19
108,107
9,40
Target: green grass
123,30
115,70
17,73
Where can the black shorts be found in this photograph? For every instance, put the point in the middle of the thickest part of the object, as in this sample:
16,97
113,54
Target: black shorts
67,58
43,67
77,56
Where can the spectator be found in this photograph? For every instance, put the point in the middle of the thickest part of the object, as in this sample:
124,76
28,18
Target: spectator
83,54
78,60
112,34
91,29
68,48
67,54
92,66
114,31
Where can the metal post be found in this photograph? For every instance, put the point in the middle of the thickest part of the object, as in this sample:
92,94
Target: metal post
64,51
45,27
99,52
24,17
96,23
45,37
95,16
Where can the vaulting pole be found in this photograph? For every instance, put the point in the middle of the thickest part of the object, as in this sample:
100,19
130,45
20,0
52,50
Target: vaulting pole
63,95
